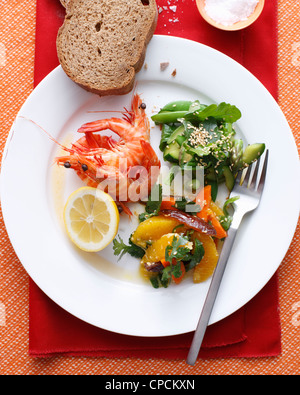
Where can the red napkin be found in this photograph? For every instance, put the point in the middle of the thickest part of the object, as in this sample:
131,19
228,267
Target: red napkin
252,331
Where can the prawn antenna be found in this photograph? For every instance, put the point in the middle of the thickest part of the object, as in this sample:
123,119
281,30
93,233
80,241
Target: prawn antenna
45,131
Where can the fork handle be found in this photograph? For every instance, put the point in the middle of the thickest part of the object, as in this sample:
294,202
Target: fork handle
211,297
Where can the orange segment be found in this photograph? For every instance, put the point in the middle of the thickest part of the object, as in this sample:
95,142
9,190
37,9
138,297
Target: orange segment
153,229
206,267
156,252
216,209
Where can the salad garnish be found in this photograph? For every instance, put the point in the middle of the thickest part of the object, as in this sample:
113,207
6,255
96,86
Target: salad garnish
171,242
120,248
178,234
196,134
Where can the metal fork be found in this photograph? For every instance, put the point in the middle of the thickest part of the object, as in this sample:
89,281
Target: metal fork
249,189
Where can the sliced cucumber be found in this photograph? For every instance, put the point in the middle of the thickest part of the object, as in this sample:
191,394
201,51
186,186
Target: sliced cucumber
184,157
171,153
180,140
210,174
193,185
177,132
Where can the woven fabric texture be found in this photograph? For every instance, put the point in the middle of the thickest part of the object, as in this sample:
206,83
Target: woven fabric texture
17,44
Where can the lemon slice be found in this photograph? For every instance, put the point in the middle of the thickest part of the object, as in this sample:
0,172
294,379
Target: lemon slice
91,219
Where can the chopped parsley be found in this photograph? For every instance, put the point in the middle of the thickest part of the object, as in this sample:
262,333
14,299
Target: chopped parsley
187,206
178,250
226,219
153,204
176,253
120,249
196,256
169,271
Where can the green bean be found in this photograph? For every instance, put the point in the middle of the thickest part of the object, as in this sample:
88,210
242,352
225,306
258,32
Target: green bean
214,189
253,152
180,105
229,178
168,116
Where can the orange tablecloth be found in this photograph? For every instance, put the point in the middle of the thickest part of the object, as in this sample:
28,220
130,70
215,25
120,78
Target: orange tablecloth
17,39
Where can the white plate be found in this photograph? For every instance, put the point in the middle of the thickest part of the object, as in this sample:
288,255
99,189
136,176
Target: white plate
96,288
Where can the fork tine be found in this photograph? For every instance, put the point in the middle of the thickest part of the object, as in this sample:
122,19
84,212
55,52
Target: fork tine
255,173
263,173
238,177
247,176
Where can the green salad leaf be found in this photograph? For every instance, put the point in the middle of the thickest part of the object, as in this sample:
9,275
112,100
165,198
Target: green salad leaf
166,132
223,112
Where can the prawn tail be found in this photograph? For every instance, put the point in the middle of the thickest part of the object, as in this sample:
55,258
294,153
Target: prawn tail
124,208
151,158
117,125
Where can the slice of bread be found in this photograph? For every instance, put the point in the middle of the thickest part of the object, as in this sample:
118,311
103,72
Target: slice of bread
102,43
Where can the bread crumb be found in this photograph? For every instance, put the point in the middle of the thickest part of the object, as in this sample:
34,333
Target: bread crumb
164,66
146,66
174,73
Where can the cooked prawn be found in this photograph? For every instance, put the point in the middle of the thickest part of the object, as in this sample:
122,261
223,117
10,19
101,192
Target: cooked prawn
126,168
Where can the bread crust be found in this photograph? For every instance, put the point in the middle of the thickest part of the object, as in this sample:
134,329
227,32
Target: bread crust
103,57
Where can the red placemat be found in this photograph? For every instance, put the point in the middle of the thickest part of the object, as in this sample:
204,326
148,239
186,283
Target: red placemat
252,331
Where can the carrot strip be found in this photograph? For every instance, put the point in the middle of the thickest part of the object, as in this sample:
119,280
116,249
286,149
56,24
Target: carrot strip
179,279
168,204
221,233
203,199
207,214
174,262
165,263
